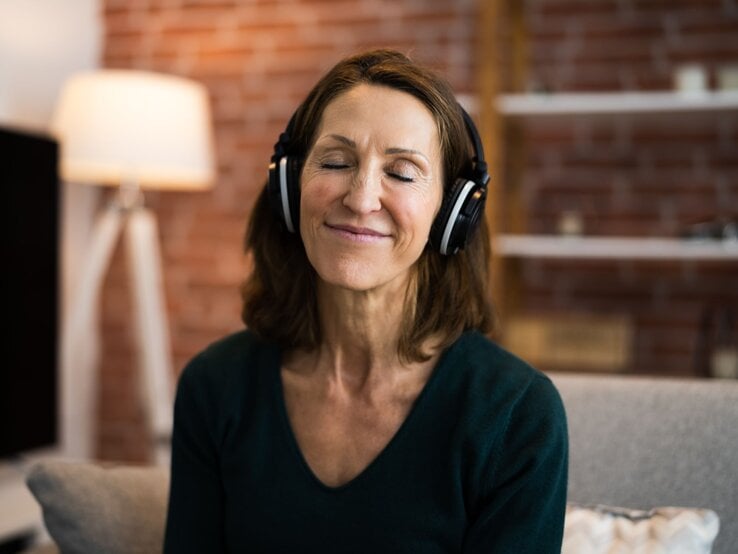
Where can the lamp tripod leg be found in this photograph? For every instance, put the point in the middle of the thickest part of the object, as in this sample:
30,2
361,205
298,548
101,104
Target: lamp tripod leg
152,328
79,355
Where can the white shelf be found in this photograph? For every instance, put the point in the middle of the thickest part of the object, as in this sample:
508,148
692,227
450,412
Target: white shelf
615,103
592,103
626,248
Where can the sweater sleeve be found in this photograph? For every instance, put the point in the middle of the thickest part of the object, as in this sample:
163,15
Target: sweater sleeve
195,511
522,503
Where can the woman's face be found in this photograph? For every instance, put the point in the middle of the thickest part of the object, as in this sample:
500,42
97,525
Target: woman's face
371,186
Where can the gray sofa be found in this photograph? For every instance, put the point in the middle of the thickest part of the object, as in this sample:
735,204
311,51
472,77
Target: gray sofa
635,442
641,442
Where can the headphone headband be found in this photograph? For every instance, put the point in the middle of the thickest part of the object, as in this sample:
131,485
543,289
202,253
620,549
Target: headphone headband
478,162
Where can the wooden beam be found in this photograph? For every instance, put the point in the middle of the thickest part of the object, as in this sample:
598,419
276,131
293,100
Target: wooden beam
488,62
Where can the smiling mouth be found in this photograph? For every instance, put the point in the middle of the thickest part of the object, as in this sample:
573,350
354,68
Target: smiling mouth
356,233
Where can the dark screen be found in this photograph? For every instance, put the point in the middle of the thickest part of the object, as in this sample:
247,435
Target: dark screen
30,239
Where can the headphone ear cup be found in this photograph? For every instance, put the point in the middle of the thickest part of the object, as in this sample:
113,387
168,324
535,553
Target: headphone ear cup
460,212
294,168
284,190
441,220
273,189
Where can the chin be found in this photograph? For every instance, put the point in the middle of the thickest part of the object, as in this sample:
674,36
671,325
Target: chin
358,281
359,277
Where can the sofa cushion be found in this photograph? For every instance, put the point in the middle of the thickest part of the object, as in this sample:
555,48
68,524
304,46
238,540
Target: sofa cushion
89,508
610,530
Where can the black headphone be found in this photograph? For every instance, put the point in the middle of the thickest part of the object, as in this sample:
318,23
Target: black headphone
461,210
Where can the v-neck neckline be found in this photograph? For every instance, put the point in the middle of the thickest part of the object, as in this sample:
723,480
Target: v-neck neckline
392,445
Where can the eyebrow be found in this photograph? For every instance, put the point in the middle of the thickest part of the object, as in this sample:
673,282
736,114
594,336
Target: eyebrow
406,151
394,150
345,140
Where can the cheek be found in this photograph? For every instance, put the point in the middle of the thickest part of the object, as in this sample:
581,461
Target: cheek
418,215
313,196
429,207
317,196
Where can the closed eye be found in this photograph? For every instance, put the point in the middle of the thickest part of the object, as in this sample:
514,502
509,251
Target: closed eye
402,170
403,178
333,166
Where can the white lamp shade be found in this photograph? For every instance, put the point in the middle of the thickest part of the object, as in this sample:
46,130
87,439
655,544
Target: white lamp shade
119,126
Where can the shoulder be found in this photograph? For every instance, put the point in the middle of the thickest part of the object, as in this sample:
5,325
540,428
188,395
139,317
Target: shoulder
494,371
510,414
498,388
222,365
236,348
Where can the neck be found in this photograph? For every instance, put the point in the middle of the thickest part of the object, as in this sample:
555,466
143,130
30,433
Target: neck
360,333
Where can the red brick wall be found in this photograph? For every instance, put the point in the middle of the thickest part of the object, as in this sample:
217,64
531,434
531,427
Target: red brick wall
626,44
258,59
625,175
632,175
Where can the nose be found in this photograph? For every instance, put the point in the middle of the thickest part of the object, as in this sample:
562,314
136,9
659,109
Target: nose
364,193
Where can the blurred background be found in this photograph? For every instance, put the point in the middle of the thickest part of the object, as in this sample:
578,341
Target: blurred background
603,119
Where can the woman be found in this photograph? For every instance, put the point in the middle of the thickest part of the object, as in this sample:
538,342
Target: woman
364,410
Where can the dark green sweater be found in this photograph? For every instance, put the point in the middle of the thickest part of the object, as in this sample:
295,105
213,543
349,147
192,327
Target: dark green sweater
479,465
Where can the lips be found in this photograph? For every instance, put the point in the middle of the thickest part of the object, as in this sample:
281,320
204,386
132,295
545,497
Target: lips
359,233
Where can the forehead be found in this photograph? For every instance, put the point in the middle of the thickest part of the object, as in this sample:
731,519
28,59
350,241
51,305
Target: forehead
381,113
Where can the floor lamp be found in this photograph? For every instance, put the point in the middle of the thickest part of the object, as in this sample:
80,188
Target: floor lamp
136,131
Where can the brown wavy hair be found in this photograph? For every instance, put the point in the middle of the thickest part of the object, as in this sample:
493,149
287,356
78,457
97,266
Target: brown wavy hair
449,293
